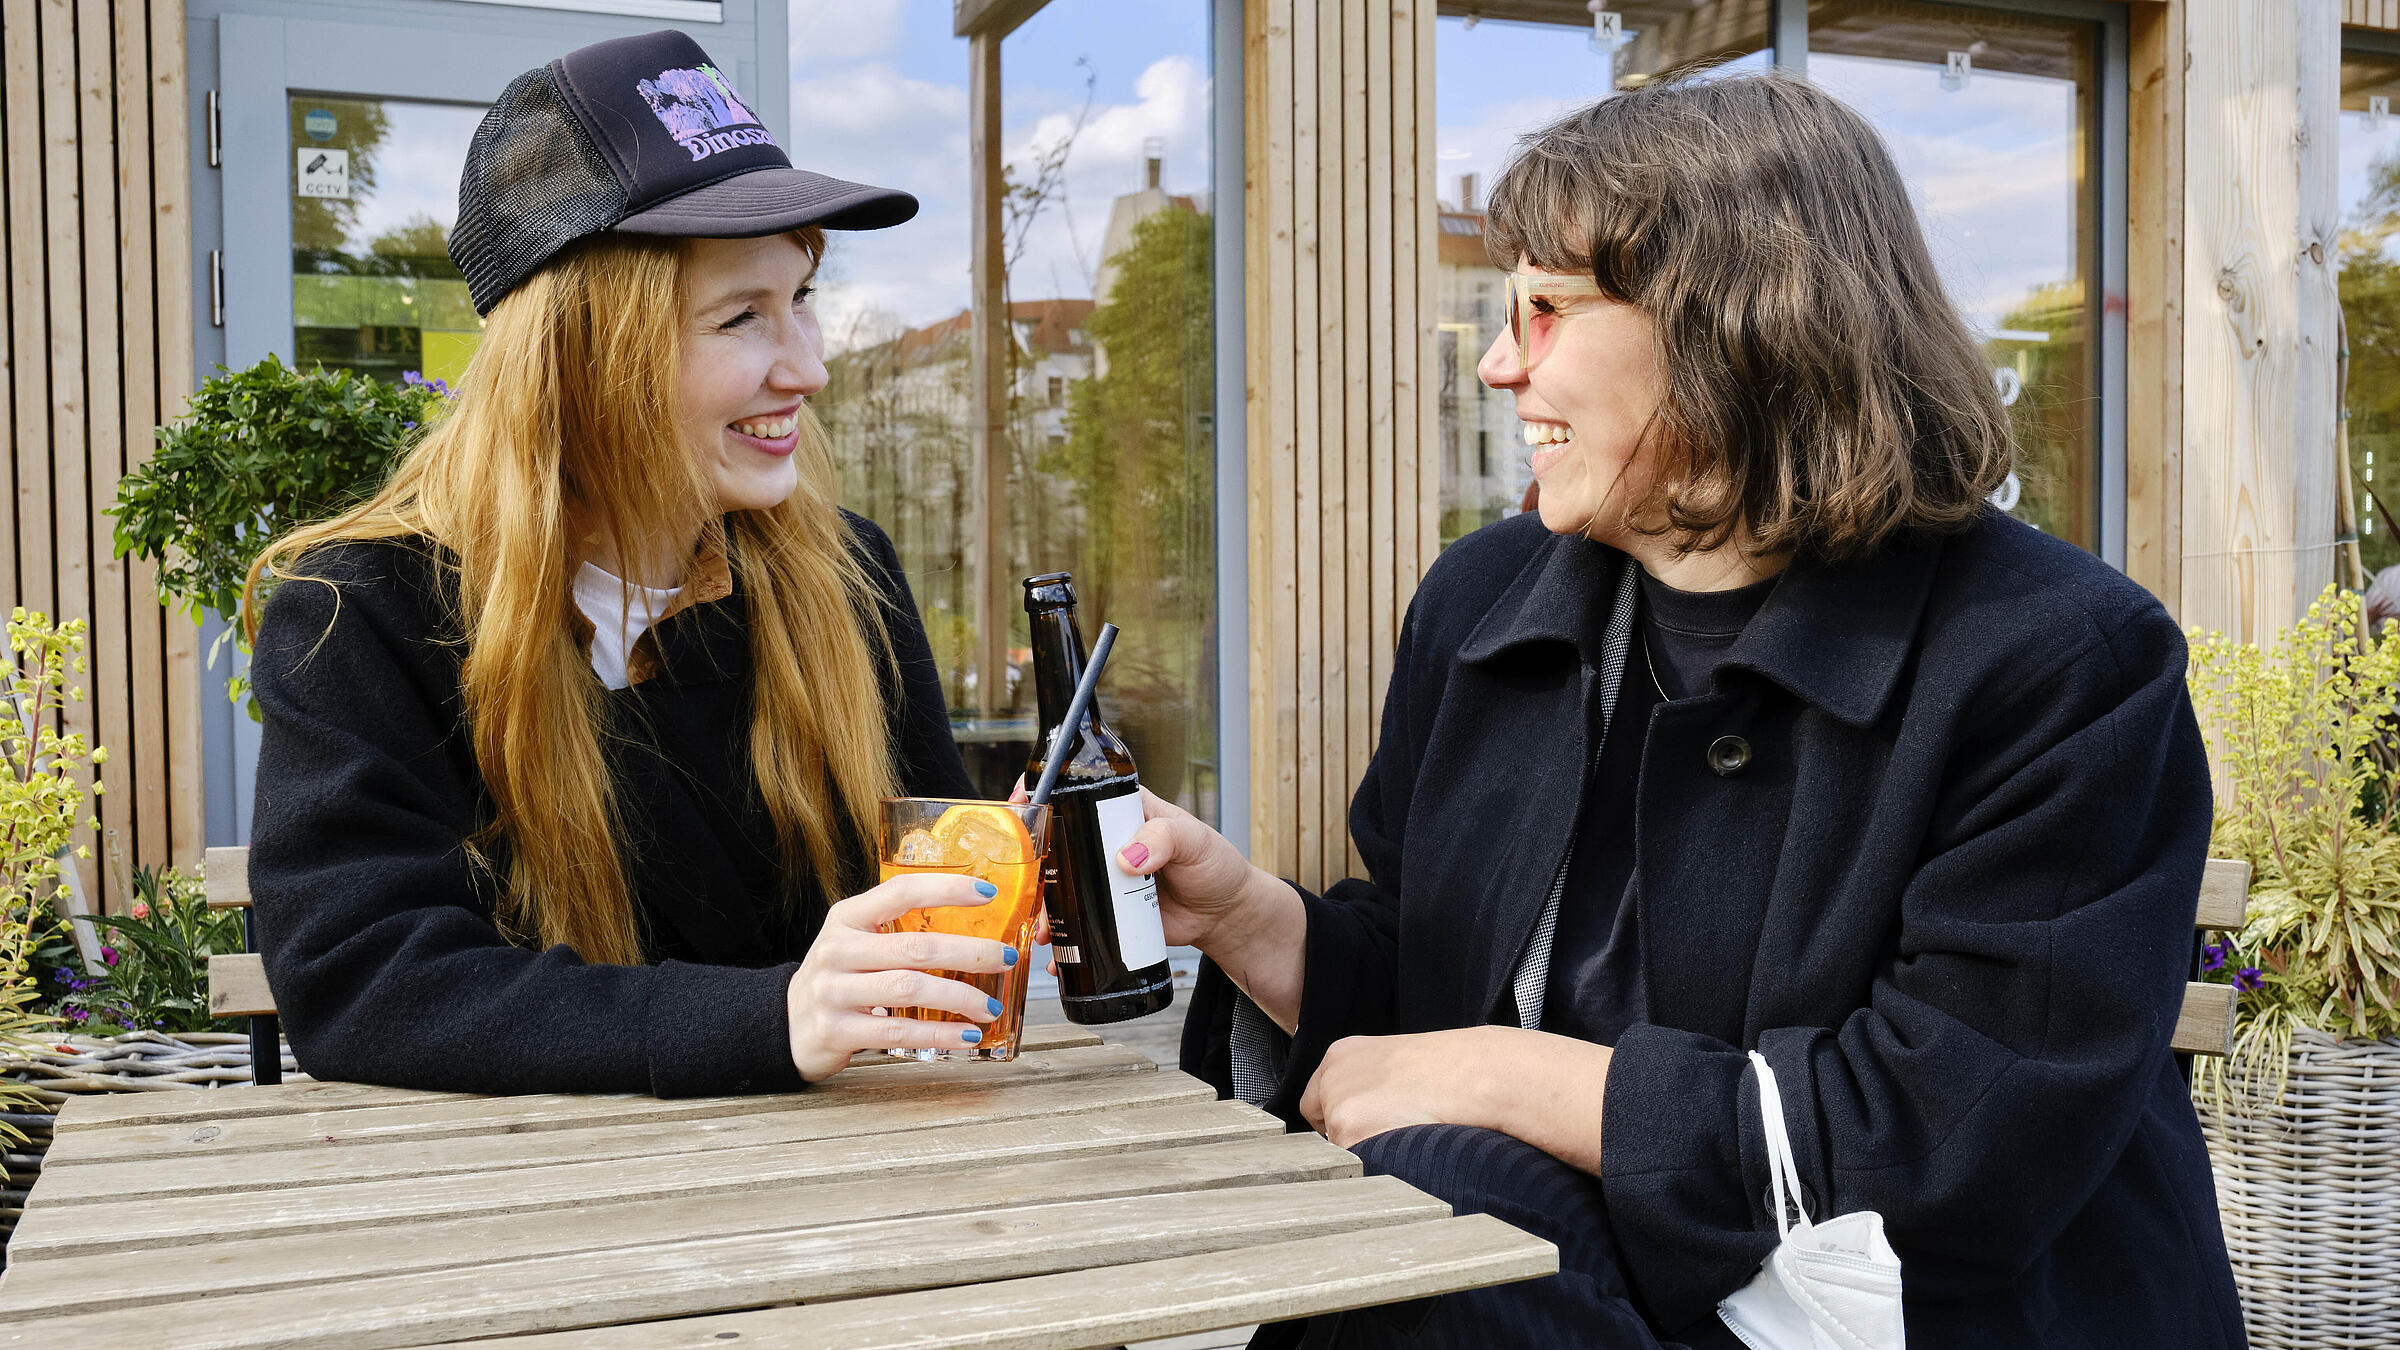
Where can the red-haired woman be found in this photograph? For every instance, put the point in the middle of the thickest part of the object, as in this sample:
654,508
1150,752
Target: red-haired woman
574,732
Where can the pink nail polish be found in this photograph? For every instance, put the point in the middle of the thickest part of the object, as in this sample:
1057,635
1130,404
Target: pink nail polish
1136,854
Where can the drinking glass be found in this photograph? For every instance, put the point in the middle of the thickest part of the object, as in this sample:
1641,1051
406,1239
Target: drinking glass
998,842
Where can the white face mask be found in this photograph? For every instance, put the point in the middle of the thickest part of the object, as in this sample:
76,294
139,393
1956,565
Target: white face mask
1826,1286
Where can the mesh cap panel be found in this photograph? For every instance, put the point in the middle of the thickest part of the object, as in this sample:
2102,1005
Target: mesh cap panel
534,183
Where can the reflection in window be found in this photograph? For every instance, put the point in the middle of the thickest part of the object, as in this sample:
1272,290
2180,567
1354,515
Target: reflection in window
1989,116
1482,106
2369,282
374,191
1108,450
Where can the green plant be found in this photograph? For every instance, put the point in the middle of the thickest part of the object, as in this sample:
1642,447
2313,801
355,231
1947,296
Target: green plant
2302,732
260,451
155,966
41,802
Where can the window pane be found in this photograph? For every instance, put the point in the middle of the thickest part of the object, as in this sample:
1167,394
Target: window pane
2369,280
374,191
1989,117
1108,450
1482,72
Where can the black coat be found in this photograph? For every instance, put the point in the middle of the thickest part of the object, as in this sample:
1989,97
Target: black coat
377,931
1944,878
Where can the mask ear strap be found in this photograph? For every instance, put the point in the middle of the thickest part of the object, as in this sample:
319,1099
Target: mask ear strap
1782,1168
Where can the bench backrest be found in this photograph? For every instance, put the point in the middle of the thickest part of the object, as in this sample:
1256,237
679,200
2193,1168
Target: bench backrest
237,984
237,981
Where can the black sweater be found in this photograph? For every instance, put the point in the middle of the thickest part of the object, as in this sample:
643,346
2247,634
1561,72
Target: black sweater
378,933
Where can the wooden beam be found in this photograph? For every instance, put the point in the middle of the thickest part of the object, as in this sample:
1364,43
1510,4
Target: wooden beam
2316,427
2256,424
2154,303
171,182
994,19
987,336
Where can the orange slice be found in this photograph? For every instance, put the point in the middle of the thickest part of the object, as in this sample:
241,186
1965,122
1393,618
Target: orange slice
991,835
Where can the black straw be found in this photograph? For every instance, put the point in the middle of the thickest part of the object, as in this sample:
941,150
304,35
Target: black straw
1054,758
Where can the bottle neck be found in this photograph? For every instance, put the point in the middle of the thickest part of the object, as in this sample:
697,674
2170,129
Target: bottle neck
1057,661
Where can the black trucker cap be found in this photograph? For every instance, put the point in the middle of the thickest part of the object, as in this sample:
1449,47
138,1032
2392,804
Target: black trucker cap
641,135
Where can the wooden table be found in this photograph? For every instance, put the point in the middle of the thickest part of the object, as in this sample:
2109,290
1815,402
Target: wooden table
1079,1196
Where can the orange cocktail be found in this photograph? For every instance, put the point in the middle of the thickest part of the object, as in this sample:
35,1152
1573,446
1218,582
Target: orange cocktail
997,842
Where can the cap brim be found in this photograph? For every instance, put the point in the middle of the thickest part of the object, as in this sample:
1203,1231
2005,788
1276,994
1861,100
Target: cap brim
770,201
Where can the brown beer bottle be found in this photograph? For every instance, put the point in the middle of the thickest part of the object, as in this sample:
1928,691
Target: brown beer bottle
1104,923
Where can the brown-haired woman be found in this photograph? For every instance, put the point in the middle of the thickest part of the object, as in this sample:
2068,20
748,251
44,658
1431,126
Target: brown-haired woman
1766,735
574,732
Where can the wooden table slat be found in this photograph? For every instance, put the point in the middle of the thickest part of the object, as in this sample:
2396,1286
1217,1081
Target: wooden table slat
68,1229
212,1106
63,1285
333,1163
1107,1306
597,1289
84,1145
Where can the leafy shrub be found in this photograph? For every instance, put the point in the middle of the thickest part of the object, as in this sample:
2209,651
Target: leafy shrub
260,451
40,806
2303,733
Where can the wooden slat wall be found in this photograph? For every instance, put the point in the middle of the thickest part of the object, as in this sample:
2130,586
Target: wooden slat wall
1343,510
2383,14
97,351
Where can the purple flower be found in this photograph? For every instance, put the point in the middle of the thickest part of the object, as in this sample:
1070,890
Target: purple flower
108,956
2212,956
64,975
2249,979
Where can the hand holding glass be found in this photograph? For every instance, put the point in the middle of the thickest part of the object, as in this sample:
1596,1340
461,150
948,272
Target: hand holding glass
998,843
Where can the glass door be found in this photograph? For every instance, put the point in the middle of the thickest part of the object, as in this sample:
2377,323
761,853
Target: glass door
1991,116
374,190
341,137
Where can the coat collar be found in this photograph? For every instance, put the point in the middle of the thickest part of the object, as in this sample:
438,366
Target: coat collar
709,580
1835,635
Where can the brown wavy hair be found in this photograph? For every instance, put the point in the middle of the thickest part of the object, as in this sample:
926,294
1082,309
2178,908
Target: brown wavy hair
1822,394
564,420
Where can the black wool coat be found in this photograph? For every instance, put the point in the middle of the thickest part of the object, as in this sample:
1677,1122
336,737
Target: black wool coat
378,932
1933,846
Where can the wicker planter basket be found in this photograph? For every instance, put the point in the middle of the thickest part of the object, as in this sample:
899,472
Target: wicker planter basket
2309,1189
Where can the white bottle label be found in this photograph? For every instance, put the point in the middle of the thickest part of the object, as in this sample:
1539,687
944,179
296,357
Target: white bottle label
1141,937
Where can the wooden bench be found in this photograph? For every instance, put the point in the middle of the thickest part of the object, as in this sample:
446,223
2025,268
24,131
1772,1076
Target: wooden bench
237,984
2205,1026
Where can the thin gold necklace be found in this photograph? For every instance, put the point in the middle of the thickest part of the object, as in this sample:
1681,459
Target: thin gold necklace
1652,665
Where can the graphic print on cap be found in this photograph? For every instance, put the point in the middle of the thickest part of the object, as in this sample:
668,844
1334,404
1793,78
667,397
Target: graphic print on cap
701,111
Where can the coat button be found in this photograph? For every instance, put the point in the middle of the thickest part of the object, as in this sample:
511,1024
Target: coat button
1728,755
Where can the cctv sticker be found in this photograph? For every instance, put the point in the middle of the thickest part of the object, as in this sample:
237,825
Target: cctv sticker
324,173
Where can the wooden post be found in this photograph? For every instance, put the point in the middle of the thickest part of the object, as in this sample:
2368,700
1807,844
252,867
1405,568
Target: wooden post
2258,341
1343,510
2154,302
988,364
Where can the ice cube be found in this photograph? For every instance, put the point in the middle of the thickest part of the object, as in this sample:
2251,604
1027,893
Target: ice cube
918,848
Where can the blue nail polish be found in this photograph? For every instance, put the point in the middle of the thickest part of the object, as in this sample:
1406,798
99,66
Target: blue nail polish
988,889
971,1036
1008,956
995,1006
